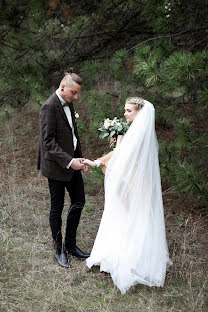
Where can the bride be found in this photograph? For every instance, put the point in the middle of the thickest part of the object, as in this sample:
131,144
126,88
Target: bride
131,241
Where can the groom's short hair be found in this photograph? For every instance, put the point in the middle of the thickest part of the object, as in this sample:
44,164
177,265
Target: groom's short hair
70,78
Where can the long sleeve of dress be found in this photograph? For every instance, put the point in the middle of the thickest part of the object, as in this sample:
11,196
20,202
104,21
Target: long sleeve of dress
104,161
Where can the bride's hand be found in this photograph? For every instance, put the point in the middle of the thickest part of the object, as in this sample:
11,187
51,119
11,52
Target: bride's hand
89,162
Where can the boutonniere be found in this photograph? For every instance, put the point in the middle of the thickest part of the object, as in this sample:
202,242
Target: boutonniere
76,115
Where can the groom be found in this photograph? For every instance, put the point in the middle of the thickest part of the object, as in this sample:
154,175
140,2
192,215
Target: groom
60,160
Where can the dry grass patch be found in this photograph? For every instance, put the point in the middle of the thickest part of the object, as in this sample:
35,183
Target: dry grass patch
32,281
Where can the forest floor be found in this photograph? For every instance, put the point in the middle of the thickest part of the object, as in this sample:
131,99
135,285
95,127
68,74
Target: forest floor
31,280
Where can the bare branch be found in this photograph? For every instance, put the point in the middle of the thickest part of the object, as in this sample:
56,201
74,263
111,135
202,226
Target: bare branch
168,36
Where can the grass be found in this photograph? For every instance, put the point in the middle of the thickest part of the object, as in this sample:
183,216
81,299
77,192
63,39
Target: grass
31,280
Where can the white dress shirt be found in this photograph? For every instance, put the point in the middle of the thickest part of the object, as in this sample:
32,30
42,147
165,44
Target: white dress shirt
69,118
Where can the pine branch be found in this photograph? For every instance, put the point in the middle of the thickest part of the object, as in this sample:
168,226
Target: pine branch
197,43
168,36
41,65
11,47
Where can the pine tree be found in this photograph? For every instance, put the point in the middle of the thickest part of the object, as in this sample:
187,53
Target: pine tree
148,48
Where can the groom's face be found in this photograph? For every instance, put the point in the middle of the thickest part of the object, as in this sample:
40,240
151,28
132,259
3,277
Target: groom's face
71,92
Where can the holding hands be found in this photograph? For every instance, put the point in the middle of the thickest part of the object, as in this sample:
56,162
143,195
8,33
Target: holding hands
78,164
89,162
83,163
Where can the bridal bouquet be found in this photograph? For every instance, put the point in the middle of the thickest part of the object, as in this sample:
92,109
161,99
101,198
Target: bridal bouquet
111,128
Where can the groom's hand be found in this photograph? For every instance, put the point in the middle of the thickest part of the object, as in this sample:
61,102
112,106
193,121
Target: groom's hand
77,164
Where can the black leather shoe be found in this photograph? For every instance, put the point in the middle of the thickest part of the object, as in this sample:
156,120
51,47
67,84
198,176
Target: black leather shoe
75,251
62,259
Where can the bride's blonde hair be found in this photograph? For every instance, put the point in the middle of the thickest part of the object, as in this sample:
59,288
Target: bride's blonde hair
136,101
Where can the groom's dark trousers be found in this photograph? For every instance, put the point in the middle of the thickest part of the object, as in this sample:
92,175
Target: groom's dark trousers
76,192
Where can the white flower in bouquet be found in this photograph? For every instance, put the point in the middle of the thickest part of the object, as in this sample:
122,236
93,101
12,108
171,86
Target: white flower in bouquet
76,115
107,123
114,122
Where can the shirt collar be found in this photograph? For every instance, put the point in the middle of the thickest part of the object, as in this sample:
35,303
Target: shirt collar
60,98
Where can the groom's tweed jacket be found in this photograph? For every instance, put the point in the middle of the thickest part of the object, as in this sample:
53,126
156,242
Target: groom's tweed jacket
56,147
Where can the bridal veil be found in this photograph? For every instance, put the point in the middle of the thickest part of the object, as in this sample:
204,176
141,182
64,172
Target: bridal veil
131,241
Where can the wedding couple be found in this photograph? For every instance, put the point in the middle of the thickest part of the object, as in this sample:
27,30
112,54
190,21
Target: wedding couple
131,242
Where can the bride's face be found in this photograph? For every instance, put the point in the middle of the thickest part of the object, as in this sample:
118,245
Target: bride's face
130,112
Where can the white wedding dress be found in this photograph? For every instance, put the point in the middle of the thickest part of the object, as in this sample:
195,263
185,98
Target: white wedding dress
131,241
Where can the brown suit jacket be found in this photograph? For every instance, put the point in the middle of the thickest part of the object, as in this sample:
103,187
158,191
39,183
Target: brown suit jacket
56,147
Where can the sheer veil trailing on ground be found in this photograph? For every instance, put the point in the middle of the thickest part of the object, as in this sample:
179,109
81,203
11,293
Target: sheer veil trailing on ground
131,241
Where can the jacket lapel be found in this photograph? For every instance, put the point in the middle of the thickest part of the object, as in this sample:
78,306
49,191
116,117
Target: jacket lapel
72,114
61,110
73,119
